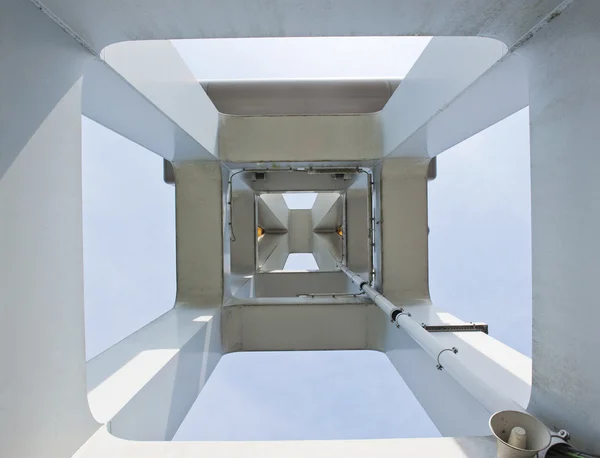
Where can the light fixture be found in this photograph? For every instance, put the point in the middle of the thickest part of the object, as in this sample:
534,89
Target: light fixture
340,231
259,232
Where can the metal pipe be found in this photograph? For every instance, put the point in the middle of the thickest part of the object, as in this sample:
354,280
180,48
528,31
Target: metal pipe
358,281
445,358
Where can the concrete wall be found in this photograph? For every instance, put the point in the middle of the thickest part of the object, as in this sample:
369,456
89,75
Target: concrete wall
42,381
564,111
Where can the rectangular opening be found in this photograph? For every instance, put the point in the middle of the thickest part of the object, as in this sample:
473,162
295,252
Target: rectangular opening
300,200
305,395
300,262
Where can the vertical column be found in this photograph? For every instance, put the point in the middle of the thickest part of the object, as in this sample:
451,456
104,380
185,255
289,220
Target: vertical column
43,404
199,216
564,59
404,230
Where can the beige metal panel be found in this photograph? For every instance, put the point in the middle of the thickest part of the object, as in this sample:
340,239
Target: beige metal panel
297,97
103,444
358,253
284,180
327,212
273,254
198,193
327,250
290,284
299,138
243,247
273,213
293,327
404,245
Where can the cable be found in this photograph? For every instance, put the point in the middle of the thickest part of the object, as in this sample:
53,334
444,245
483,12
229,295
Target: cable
230,204
565,450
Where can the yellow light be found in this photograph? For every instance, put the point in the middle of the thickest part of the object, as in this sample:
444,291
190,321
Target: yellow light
340,231
260,232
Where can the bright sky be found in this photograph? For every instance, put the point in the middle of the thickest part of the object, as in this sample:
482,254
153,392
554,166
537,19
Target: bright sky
480,258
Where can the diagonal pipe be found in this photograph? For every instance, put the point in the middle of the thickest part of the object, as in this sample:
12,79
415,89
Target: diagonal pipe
445,358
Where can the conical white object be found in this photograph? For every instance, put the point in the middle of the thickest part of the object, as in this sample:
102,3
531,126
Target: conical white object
518,437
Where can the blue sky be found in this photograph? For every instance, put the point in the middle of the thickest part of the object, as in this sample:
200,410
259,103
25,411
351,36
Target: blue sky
480,264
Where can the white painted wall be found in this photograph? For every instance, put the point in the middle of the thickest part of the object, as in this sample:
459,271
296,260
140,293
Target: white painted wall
113,102
446,67
42,381
145,385
116,20
157,71
564,111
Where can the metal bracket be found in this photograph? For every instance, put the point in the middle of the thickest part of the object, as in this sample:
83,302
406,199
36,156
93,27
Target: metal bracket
402,312
562,437
397,312
466,327
454,350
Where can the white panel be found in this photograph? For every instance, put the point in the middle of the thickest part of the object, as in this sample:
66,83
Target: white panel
498,93
564,111
446,67
109,100
497,365
156,70
146,384
118,20
43,403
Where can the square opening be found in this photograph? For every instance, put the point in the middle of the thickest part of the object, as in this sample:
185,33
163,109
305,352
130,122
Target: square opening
299,231
300,262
